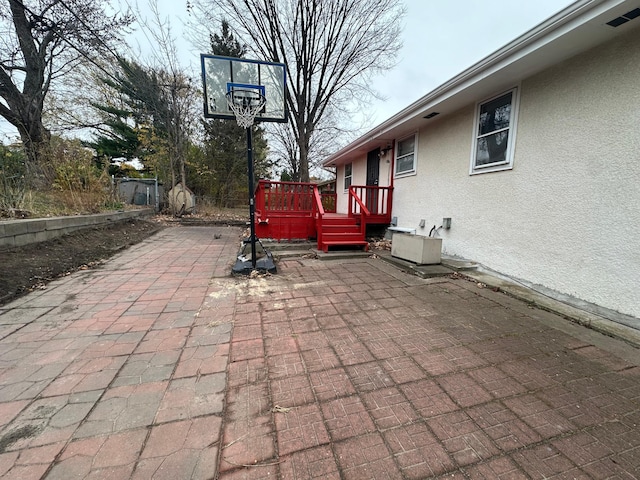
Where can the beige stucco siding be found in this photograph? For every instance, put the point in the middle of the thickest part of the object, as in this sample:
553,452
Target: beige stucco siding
567,216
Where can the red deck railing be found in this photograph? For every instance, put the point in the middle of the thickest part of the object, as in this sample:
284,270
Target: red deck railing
282,197
329,202
376,199
319,213
292,210
357,207
286,210
291,197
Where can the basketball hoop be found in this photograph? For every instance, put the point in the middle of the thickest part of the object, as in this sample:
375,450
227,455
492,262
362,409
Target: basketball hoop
245,104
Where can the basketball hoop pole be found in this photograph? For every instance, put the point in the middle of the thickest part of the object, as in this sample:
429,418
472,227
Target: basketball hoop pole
252,196
245,105
247,91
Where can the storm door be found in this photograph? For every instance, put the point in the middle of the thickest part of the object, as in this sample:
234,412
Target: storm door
373,178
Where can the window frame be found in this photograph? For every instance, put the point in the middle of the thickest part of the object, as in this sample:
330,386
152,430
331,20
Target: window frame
345,176
507,163
413,169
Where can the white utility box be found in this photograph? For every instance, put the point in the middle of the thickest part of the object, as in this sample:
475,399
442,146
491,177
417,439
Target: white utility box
416,248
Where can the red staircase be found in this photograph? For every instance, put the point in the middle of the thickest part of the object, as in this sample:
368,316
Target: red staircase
297,211
340,230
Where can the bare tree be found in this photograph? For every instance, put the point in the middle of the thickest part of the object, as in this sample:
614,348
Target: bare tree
331,49
283,147
180,92
41,41
326,138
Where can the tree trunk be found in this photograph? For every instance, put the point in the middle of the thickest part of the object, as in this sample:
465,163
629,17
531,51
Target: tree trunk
26,117
35,141
304,163
173,190
183,179
303,148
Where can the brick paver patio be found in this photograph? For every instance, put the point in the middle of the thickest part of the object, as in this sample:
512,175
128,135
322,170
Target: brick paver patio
119,372
159,365
383,375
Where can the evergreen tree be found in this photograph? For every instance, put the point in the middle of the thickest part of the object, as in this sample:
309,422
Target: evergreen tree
119,140
142,119
129,114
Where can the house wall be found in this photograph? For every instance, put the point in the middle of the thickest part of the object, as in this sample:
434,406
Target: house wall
567,216
385,170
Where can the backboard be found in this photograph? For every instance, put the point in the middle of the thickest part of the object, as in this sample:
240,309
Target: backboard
221,75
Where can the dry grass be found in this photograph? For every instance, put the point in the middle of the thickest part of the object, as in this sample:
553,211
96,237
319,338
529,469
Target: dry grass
55,203
208,212
67,182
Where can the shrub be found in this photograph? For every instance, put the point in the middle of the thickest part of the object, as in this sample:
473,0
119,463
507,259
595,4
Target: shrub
81,185
12,181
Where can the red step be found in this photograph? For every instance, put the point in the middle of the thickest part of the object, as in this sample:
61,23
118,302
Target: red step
342,236
341,231
347,243
339,221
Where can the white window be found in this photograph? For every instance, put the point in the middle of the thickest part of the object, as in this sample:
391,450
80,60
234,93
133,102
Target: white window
405,156
494,134
348,174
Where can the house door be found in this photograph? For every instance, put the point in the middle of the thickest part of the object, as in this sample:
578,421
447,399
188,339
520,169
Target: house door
373,178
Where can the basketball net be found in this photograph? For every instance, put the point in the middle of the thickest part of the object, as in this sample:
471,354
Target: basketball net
245,105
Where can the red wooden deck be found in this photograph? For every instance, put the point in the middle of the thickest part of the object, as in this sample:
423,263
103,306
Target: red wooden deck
297,211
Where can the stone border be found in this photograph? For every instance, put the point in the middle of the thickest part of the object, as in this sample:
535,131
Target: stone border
16,233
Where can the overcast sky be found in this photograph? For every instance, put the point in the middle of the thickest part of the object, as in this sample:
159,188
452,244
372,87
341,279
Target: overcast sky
440,38
443,38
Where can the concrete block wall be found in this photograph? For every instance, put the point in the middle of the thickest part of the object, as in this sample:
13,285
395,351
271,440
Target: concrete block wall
16,233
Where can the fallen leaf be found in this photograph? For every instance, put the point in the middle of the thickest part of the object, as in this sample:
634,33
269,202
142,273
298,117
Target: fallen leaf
279,409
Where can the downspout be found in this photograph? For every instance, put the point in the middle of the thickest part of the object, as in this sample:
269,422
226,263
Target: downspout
391,172
393,162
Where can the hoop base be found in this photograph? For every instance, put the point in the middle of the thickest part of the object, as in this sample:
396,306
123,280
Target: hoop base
263,262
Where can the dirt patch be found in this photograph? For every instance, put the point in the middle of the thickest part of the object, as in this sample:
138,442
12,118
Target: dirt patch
24,269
